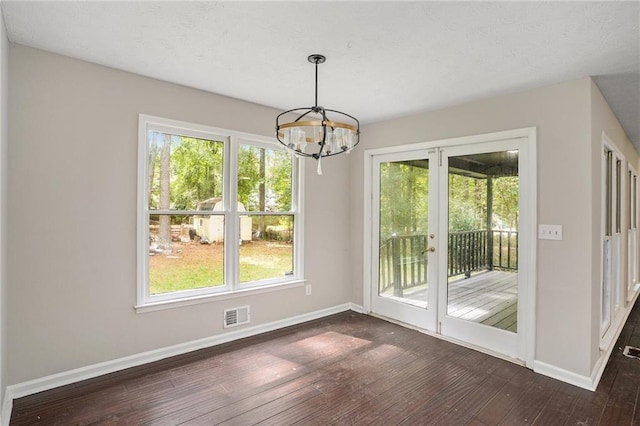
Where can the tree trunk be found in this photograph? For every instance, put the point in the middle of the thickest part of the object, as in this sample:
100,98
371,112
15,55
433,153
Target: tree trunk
164,237
151,164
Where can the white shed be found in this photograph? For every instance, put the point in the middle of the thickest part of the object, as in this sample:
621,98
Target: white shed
211,227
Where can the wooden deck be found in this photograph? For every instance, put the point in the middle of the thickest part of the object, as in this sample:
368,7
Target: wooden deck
489,298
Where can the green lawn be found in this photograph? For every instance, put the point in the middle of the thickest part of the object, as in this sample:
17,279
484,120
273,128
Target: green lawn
193,266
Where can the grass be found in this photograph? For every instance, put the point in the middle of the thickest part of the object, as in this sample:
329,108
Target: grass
262,260
193,266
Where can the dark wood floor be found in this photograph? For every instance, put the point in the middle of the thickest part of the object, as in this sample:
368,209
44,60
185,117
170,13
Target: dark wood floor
347,369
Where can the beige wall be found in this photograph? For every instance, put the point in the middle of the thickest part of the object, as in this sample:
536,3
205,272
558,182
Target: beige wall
561,115
603,120
4,110
72,217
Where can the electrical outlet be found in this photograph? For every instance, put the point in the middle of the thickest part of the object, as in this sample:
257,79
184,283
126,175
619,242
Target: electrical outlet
549,232
307,289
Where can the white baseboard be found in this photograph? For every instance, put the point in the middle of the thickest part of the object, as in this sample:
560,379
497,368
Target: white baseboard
588,382
602,362
561,374
66,377
357,308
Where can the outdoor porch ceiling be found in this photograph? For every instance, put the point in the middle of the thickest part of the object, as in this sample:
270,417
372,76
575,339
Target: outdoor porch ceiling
480,166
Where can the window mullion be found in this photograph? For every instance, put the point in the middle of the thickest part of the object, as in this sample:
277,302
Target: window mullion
231,248
297,204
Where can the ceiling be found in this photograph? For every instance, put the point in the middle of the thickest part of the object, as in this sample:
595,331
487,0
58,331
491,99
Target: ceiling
384,59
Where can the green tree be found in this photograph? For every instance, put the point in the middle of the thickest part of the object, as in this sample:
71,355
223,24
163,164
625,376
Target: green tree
467,203
279,179
505,201
264,179
248,174
196,169
404,190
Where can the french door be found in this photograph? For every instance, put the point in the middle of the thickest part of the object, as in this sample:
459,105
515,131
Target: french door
446,242
404,216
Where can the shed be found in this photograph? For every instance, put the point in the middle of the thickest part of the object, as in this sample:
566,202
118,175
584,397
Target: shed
211,226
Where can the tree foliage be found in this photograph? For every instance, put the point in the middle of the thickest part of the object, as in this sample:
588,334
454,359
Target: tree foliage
275,194
467,203
404,189
196,171
193,169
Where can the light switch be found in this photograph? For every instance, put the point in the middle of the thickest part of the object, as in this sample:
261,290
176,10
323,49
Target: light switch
549,232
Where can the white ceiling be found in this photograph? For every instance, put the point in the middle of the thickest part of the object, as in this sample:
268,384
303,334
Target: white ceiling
384,59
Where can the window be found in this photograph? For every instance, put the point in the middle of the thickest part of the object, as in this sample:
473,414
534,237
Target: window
605,311
612,212
632,237
218,212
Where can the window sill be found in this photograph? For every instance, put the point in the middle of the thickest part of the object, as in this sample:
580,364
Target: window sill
178,303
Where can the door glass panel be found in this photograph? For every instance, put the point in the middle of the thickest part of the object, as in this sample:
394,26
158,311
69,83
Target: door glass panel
404,194
482,258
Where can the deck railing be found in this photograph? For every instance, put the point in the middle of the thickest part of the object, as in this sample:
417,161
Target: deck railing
403,263
403,259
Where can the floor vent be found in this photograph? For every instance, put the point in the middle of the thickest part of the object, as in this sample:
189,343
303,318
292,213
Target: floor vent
631,352
236,316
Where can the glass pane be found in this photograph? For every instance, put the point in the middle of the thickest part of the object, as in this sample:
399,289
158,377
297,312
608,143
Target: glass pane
630,199
482,273
185,252
608,203
264,179
266,249
184,173
618,196
606,284
634,203
404,221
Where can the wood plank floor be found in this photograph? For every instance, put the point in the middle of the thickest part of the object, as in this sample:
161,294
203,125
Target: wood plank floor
344,369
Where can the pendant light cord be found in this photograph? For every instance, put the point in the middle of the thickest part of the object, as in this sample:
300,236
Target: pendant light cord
316,82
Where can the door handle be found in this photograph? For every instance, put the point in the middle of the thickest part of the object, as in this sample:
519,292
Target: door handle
430,249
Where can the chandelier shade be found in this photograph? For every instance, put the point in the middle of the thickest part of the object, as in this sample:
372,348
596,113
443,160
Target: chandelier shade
317,131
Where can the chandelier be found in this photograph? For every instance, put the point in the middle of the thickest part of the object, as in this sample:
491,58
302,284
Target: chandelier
318,132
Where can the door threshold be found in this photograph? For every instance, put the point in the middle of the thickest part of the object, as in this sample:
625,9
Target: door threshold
451,340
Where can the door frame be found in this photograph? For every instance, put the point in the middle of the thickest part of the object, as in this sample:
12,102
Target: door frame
528,229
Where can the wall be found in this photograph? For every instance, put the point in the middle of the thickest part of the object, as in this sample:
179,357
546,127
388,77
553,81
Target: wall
603,120
4,122
73,148
561,115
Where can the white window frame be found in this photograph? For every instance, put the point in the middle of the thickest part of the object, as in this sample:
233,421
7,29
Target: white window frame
632,237
612,283
231,286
